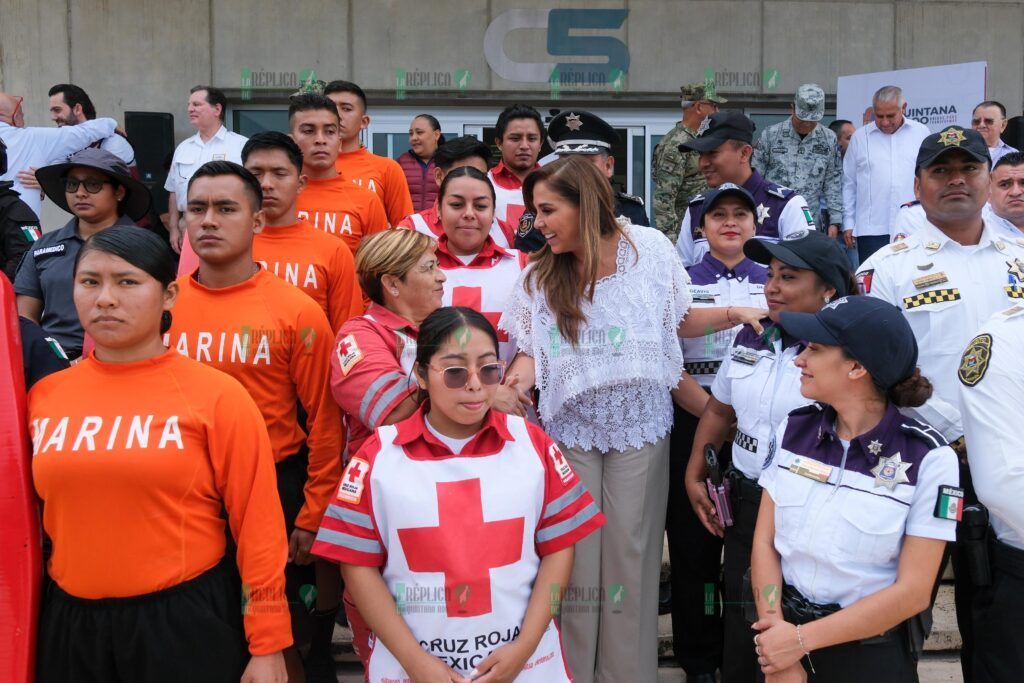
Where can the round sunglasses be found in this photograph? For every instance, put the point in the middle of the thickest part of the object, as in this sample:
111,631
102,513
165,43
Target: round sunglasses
456,377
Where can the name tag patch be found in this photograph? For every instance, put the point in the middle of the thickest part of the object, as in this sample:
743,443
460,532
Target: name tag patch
950,503
744,355
810,468
930,280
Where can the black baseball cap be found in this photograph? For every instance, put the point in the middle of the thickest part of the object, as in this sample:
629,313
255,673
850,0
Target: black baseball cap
948,139
874,332
719,127
807,249
726,190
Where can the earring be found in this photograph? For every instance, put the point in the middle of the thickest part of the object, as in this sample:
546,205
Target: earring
394,292
828,299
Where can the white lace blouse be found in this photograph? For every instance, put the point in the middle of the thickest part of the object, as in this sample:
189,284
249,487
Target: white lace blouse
611,390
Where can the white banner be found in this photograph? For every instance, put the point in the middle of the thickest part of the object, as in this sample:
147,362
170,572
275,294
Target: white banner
937,96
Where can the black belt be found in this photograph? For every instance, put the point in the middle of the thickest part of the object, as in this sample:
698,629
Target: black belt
800,610
745,441
743,488
1008,559
704,367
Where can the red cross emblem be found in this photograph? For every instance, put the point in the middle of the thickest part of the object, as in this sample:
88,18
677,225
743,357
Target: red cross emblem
463,547
348,353
473,297
350,489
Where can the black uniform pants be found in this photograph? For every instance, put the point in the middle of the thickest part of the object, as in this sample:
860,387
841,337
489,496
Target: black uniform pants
696,559
739,661
300,580
878,660
189,632
998,624
963,587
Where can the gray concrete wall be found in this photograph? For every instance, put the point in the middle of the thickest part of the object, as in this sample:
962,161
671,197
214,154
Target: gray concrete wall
145,54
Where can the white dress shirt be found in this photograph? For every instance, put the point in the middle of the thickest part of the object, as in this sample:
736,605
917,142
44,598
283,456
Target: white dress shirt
193,153
999,151
991,403
36,147
946,291
878,176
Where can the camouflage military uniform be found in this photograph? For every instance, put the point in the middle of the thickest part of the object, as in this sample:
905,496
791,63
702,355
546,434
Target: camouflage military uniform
677,178
810,166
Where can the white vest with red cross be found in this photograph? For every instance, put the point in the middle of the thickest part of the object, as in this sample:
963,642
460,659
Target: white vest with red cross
486,289
509,205
461,553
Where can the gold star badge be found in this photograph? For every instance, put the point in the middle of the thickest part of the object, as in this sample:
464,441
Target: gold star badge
573,122
951,136
891,471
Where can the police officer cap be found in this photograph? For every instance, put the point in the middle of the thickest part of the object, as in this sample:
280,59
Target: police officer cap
807,249
711,198
874,332
719,127
580,132
948,139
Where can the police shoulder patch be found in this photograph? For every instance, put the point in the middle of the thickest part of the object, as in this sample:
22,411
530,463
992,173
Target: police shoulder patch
974,361
770,456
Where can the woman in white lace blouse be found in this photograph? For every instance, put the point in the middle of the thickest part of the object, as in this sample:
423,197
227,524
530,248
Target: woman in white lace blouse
597,315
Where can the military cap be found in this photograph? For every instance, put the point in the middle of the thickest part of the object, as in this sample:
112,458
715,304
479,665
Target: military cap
580,132
695,92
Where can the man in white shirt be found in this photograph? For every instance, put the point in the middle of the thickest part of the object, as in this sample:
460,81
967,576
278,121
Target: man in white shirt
1005,207
989,119
29,147
212,142
878,171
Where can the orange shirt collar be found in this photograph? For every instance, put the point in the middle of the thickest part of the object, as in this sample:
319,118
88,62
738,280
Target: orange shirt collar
254,281
419,442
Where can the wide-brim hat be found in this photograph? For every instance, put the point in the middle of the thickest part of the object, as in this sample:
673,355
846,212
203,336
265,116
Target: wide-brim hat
136,200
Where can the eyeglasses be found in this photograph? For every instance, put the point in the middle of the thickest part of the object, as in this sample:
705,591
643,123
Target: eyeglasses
457,377
92,185
987,122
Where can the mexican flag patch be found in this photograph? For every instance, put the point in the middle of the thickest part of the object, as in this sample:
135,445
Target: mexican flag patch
950,503
32,232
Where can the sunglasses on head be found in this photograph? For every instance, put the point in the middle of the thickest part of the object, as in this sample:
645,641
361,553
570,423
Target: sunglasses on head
92,185
456,377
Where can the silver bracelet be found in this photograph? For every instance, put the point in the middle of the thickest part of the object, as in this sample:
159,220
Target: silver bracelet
803,647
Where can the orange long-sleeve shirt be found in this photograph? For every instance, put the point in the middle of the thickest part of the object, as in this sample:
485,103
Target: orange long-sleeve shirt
381,175
342,208
277,342
134,461
316,263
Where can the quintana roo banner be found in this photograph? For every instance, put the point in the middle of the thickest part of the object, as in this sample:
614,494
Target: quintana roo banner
937,96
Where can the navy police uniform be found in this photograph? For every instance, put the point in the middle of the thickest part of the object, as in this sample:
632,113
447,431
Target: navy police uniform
580,132
780,210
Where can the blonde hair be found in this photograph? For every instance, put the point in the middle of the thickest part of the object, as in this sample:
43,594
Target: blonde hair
565,279
391,252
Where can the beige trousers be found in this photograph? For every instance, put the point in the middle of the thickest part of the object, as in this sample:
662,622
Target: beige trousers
610,615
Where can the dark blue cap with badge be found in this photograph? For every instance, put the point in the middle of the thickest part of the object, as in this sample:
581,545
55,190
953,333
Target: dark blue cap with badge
712,196
580,132
719,127
807,249
949,139
874,332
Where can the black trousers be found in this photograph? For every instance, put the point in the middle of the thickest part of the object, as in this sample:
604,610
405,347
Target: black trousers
963,588
300,580
696,559
888,661
189,632
739,661
999,636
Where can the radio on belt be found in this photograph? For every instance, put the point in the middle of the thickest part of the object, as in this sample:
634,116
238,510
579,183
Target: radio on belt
718,488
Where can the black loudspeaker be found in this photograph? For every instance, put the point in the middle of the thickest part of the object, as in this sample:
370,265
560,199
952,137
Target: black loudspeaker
152,136
1014,133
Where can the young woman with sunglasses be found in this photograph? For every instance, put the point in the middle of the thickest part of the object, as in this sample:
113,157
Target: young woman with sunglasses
467,516
96,187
